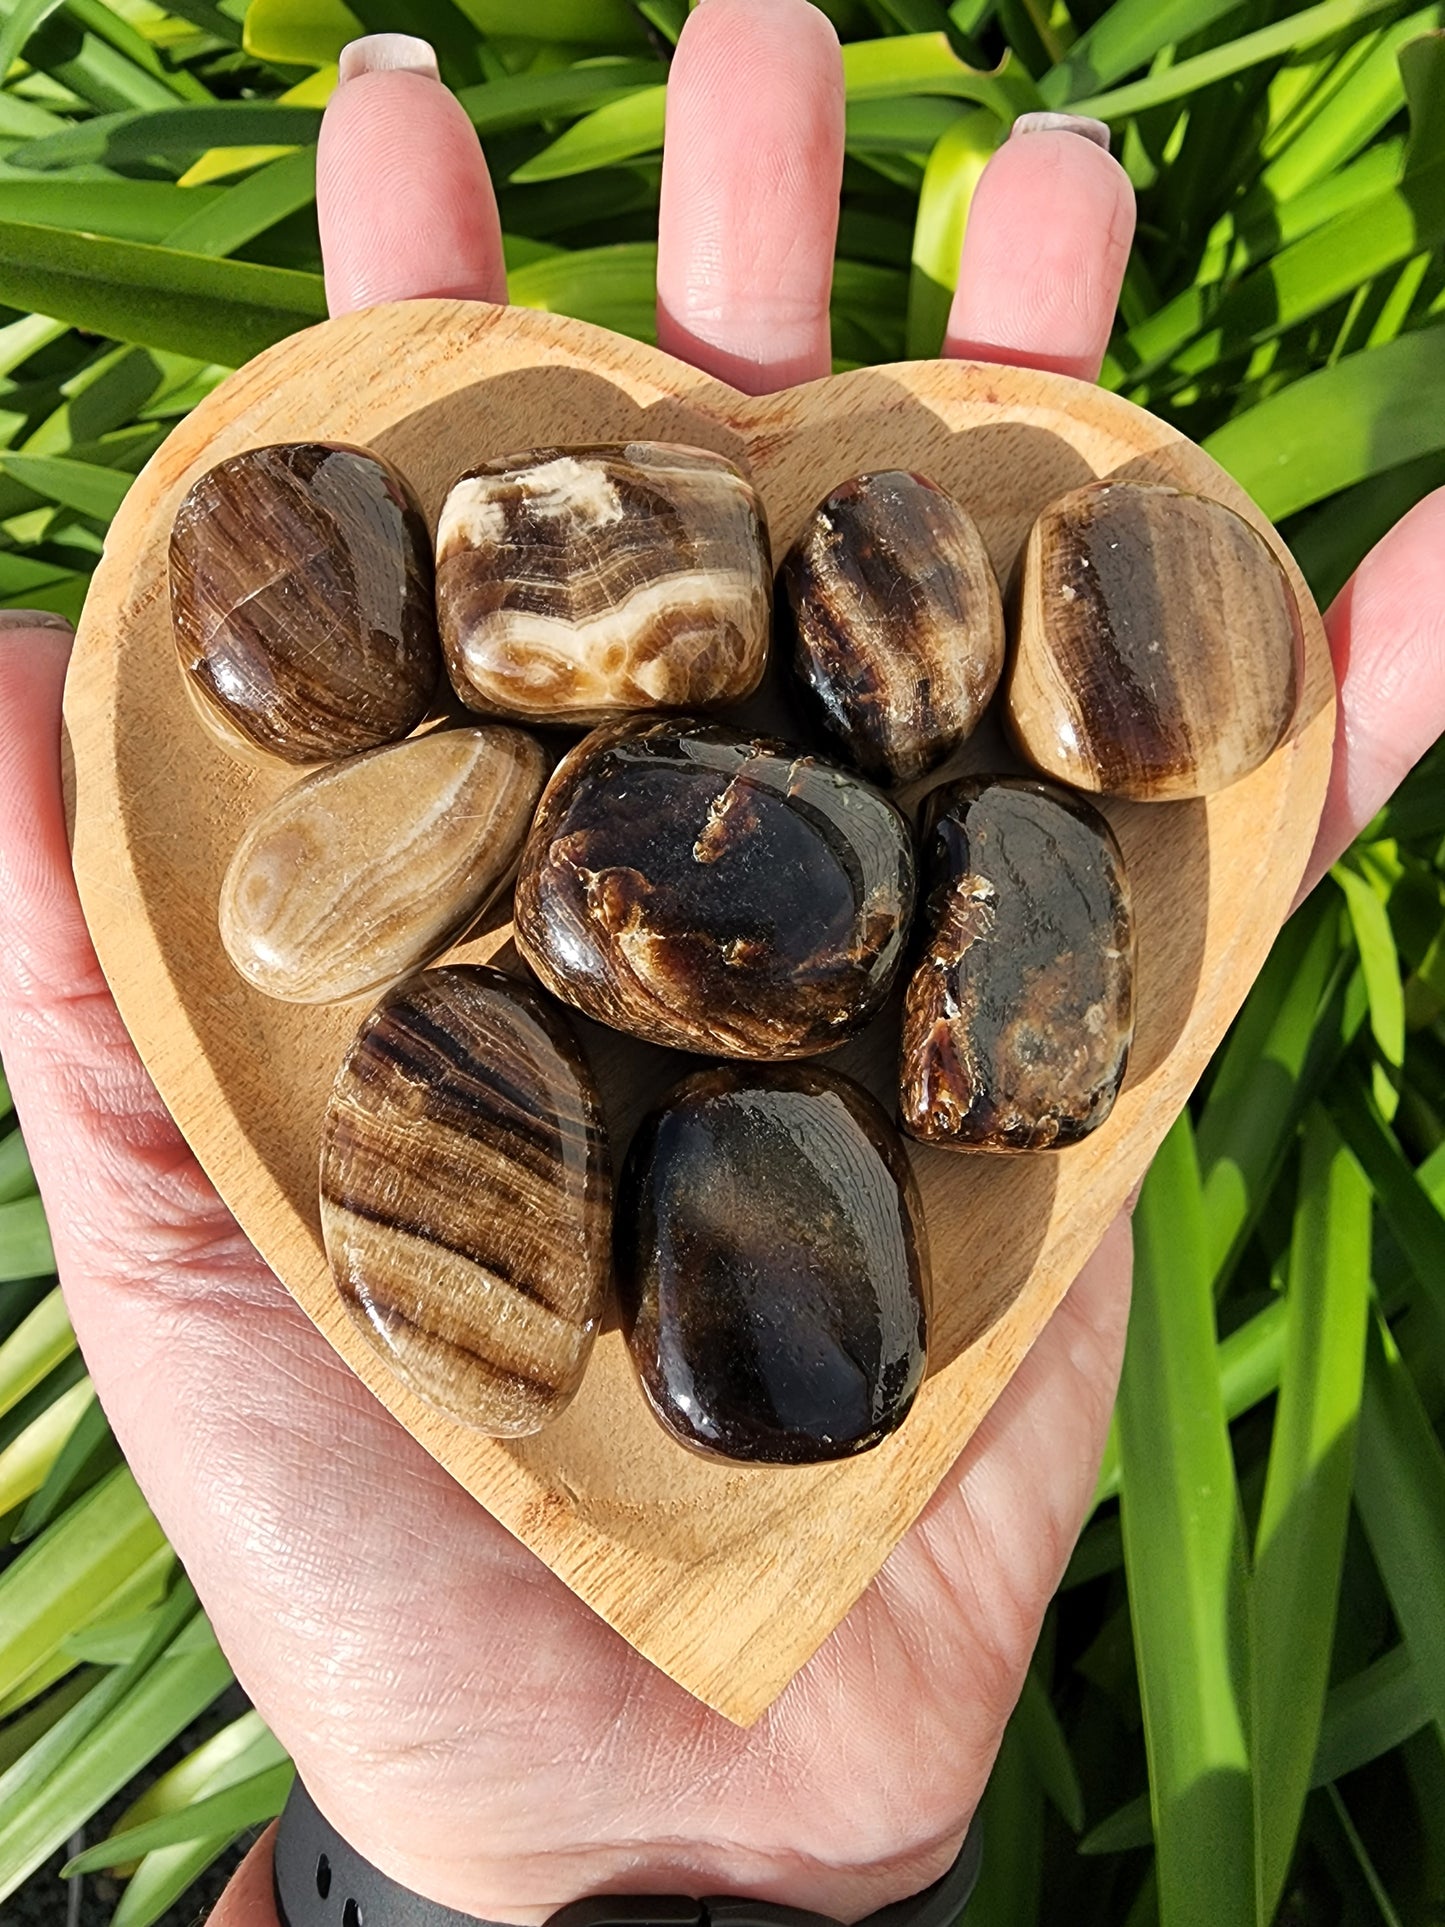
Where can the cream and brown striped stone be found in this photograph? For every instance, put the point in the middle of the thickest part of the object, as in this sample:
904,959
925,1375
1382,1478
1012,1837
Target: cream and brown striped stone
895,623
1160,651
371,867
577,584
466,1196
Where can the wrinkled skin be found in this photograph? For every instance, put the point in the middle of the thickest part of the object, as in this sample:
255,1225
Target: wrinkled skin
457,1713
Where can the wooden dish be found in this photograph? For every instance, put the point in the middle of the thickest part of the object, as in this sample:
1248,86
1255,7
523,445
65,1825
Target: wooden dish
727,1578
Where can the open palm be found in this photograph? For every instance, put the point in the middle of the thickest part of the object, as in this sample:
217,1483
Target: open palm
457,1713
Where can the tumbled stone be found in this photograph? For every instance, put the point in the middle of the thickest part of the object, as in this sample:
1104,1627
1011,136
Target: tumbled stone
574,584
1160,650
893,612
772,1266
1018,1018
466,1196
714,893
373,866
301,599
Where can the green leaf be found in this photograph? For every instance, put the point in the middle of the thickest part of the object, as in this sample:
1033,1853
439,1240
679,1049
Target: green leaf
1368,1715
35,1347
90,1432
1012,1816
924,63
1338,425
250,1803
521,99
82,486
585,23
130,137
62,1578
299,33
616,287
1379,961
1278,1053
282,187
16,1177
222,311
24,1240
1296,32
1400,1492
1367,1867
1407,1208
618,131
1126,36
20,22
168,1695
1048,1750
1300,1543
27,1460
1183,1554
163,1877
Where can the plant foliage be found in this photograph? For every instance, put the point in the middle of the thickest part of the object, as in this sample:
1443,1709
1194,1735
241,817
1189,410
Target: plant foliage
1237,1713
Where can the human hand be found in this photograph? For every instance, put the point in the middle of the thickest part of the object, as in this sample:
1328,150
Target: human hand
459,1715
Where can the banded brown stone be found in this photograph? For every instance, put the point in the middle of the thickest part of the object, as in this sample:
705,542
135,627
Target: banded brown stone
466,1196
1159,651
301,602
369,868
575,584
892,610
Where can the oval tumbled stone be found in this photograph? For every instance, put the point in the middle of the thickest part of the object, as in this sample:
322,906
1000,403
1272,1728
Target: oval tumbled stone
577,583
301,599
1160,651
370,868
895,622
1017,1020
715,893
466,1196
772,1266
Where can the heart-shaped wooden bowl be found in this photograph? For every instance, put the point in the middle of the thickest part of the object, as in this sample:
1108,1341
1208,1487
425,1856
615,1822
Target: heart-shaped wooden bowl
727,1578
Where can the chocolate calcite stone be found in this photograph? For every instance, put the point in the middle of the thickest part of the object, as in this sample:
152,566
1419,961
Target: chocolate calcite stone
1160,651
301,599
893,612
714,893
574,584
1018,1018
466,1195
372,866
772,1266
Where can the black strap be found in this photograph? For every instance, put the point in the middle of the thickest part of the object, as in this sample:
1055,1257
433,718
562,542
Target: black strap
323,1882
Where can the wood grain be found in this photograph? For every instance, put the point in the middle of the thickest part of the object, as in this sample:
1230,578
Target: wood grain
727,1577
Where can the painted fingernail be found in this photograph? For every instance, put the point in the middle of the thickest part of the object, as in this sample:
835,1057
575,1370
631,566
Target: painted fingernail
15,619
388,53
1091,130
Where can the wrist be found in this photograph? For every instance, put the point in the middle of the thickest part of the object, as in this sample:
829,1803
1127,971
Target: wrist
318,1871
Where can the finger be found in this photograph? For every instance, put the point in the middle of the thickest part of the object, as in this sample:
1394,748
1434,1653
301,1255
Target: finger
1044,252
404,201
250,1899
752,169
1387,637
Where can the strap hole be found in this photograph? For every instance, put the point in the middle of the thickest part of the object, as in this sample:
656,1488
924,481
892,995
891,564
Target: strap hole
323,1876
351,1915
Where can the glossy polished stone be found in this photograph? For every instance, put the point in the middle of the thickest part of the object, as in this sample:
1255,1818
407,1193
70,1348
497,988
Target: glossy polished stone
371,867
574,584
301,599
892,610
1160,651
1017,1020
714,893
772,1266
466,1196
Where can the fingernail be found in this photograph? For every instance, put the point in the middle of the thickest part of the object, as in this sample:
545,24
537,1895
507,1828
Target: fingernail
14,619
1091,130
388,53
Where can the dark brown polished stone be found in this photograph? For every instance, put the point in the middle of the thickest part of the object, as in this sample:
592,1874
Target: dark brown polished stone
893,612
466,1196
1018,1019
773,1266
301,599
714,893
574,584
1160,651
